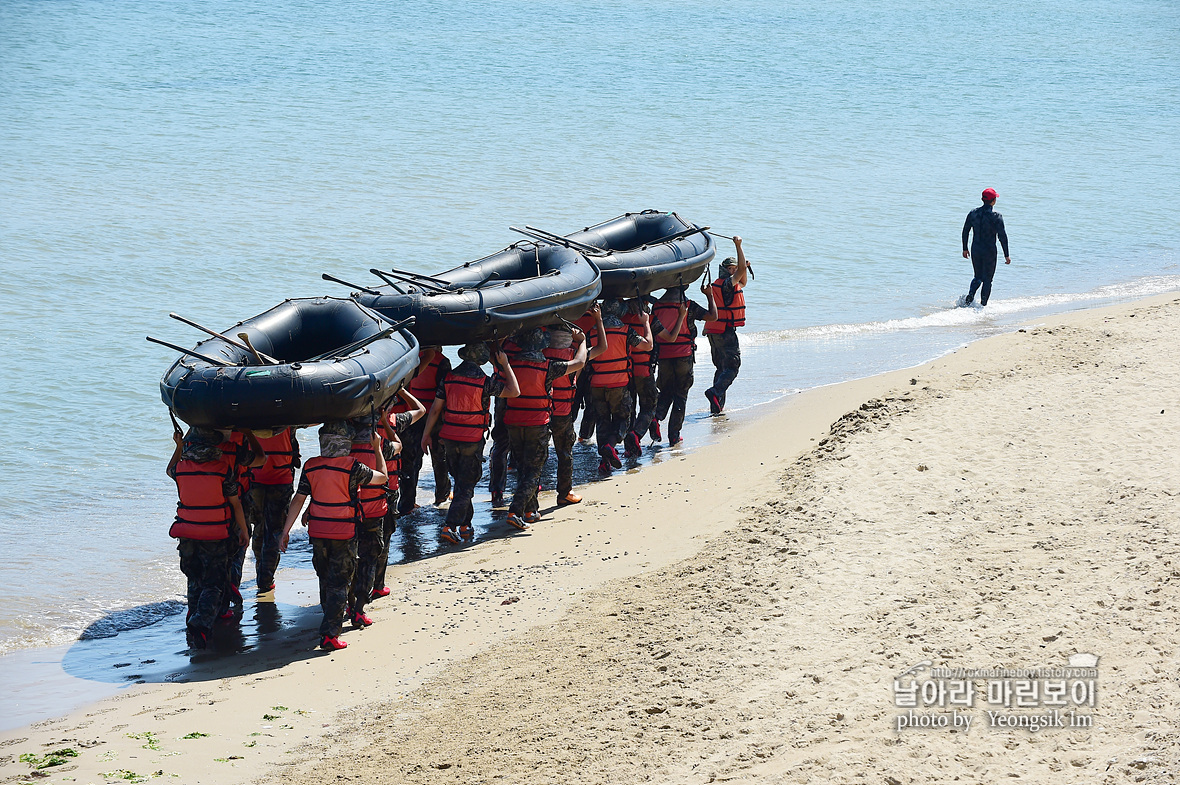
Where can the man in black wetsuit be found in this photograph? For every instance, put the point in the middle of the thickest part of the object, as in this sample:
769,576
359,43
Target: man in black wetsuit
988,226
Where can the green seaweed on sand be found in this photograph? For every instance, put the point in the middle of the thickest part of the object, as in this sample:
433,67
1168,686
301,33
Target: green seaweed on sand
49,759
123,774
152,742
194,735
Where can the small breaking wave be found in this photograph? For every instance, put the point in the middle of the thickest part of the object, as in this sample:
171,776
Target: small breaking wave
971,316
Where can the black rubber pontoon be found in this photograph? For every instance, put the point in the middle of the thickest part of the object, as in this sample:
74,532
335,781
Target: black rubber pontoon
525,285
639,253
336,359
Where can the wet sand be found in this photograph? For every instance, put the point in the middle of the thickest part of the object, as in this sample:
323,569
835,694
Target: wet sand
742,612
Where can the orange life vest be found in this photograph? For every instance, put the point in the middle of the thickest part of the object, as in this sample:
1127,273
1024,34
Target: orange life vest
564,386
202,511
728,316
279,468
373,499
533,405
640,358
425,384
681,345
612,368
464,417
333,512
229,448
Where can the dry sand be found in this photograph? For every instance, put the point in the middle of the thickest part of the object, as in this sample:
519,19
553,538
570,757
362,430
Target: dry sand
741,613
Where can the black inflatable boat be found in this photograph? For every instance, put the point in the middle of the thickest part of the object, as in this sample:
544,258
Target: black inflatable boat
525,285
307,361
639,253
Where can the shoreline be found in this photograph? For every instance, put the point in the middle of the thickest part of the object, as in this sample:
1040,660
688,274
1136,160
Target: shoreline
449,611
784,368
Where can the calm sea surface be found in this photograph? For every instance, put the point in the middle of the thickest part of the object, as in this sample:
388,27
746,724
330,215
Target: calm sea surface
214,158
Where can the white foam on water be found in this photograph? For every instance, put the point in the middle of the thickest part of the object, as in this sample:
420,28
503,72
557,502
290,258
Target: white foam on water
975,315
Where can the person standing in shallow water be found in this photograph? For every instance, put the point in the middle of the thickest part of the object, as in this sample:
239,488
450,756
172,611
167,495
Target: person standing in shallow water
730,299
332,480
210,525
988,226
462,402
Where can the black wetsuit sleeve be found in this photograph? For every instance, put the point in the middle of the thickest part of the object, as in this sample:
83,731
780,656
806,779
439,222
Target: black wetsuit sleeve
304,487
1002,234
401,421
966,230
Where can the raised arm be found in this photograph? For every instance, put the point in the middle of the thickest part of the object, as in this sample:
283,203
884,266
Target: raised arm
380,474
416,410
646,343
743,268
511,387
669,336
600,331
578,361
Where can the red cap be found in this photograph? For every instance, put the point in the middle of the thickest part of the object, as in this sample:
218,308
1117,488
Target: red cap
989,194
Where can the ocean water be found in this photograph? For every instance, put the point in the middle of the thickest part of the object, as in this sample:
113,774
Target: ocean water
213,159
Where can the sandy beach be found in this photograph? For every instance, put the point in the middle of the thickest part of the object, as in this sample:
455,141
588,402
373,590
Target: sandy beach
742,612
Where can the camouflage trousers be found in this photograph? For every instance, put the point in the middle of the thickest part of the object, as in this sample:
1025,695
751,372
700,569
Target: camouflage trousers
674,382
584,400
530,449
412,459
335,564
370,537
644,390
266,511
498,455
727,359
206,565
562,429
612,413
388,527
465,463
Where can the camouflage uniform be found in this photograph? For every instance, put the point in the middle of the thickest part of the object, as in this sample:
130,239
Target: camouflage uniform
585,400
369,538
644,389
727,359
372,541
498,456
465,463
335,560
675,380
562,429
674,375
613,405
412,460
388,527
206,565
265,513
243,457
335,564
530,450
